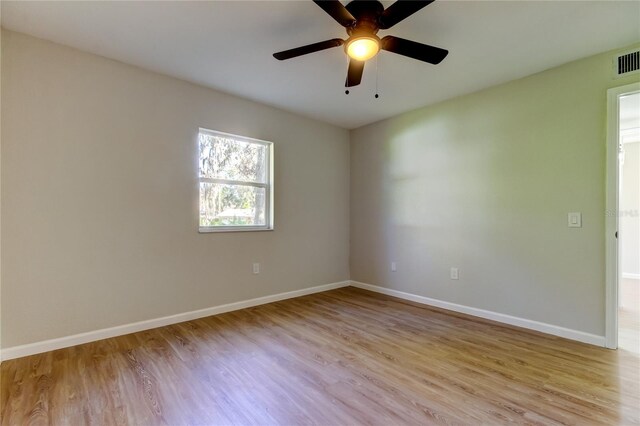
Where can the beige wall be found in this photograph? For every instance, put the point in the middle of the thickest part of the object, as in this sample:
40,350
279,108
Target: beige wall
484,183
99,196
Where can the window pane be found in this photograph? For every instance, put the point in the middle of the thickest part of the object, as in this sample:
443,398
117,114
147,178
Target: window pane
231,205
227,158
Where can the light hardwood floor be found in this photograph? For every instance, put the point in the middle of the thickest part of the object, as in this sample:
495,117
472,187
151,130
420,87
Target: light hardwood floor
347,356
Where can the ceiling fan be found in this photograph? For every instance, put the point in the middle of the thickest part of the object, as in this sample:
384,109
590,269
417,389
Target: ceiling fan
362,20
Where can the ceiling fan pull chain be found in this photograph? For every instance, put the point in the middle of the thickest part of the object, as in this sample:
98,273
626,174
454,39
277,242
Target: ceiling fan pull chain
377,96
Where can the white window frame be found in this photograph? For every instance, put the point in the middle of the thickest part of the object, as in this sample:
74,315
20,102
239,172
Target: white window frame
268,186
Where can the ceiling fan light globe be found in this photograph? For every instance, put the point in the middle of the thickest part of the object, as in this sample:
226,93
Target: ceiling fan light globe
363,48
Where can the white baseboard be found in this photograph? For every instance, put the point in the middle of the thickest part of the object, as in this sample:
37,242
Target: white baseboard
555,330
631,276
91,336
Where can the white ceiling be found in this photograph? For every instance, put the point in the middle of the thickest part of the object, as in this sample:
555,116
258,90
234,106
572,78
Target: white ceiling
227,45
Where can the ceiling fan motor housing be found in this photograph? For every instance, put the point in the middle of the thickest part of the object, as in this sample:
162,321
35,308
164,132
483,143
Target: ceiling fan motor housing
367,14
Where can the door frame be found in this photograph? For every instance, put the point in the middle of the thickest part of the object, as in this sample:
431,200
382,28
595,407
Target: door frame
612,189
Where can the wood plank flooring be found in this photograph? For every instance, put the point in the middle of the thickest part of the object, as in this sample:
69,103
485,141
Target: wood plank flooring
346,356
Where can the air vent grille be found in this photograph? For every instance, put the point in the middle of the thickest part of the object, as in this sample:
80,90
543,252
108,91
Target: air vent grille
627,63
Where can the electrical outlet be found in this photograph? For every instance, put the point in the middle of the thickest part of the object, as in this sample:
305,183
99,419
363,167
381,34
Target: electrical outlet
256,268
454,274
394,267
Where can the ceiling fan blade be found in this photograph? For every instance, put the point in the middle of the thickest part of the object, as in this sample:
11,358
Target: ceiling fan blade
422,52
354,74
309,48
337,11
400,10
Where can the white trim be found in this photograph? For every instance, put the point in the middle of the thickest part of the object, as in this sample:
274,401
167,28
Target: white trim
213,229
235,182
612,177
268,186
92,336
555,330
234,136
630,136
631,276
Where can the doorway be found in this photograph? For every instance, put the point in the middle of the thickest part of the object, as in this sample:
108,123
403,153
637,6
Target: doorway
623,219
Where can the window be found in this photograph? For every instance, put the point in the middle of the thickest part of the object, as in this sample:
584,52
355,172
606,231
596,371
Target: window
236,183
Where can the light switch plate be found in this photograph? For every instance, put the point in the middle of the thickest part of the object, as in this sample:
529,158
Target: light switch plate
455,274
574,220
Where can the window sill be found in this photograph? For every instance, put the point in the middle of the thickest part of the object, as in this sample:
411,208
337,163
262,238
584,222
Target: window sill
209,230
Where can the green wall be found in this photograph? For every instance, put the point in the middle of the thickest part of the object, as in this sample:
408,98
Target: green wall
484,183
